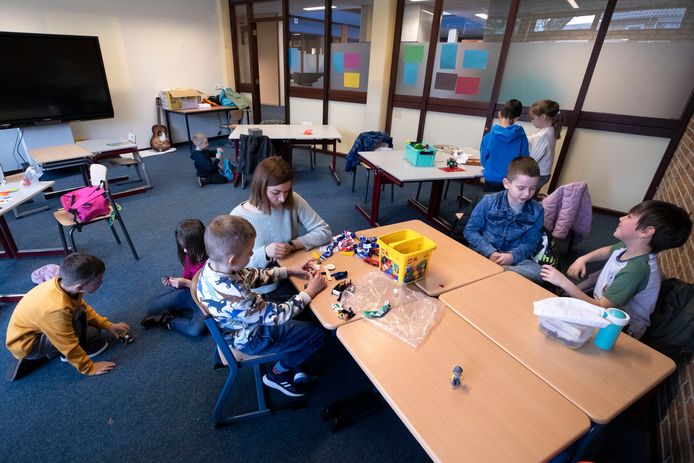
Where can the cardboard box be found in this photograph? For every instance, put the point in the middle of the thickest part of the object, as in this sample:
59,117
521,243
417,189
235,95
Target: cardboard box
180,98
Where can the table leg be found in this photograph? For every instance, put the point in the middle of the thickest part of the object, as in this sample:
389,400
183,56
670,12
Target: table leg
432,210
332,167
168,124
188,127
375,200
14,253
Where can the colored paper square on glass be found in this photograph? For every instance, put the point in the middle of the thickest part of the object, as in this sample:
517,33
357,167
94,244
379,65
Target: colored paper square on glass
448,55
413,53
293,58
475,59
445,81
351,80
352,60
338,59
411,74
467,85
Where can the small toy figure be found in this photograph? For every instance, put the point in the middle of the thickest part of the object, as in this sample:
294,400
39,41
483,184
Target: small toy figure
126,339
455,376
451,162
341,287
344,313
219,153
378,313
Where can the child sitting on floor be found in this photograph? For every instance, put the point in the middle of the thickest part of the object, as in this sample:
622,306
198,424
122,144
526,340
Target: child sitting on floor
252,325
207,165
53,319
630,279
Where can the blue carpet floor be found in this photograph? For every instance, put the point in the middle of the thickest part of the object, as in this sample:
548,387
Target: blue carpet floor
157,404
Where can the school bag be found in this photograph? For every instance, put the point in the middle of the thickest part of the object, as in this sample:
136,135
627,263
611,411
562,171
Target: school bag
672,322
228,97
86,203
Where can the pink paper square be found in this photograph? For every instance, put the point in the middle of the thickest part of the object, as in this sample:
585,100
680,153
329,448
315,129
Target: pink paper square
467,85
352,60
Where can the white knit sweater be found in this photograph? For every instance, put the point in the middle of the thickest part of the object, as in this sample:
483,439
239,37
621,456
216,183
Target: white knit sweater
283,225
542,144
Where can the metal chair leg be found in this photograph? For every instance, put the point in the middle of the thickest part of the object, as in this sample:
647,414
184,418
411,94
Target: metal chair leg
127,236
445,191
115,235
62,239
366,193
72,238
419,189
354,177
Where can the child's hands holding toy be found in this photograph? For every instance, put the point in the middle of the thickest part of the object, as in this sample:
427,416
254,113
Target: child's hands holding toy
305,271
315,285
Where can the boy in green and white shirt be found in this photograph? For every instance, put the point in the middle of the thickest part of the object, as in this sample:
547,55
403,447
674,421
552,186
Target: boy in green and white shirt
630,279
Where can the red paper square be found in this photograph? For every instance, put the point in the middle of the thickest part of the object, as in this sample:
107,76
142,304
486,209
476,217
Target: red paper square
467,85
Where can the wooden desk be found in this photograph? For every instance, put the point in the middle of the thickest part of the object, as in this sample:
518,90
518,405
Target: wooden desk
392,167
451,265
601,383
502,412
186,113
57,157
293,135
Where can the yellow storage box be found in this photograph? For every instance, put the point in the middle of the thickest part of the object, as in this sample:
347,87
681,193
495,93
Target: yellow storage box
404,255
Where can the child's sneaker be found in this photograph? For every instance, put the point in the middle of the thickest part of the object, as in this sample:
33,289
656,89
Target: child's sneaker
301,377
283,383
200,182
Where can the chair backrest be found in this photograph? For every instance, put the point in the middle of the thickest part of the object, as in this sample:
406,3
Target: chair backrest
97,173
225,354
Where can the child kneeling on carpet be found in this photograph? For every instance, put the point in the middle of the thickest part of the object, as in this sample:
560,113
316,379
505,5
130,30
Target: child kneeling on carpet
207,166
252,325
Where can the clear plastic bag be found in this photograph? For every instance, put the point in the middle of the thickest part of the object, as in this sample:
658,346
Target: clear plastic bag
411,315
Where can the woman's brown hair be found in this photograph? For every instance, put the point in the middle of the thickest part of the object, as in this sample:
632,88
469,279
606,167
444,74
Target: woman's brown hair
272,171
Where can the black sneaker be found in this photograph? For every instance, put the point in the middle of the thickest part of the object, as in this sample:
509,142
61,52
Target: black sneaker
163,319
283,383
95,348
301,377
23,367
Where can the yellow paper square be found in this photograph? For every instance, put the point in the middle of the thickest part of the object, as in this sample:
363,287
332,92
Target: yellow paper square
351,80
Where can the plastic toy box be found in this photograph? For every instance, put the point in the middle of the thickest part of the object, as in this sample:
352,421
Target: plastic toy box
420,157
404,255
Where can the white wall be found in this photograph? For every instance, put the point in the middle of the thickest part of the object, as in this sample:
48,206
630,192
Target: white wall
404,127
350,121
617,167
462,131
146,45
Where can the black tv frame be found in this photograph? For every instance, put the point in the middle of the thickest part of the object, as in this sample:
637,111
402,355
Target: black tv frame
62,118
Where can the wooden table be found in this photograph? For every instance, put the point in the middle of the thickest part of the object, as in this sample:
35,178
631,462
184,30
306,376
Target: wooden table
293,135
9,246
57,157
451,265
503,412
109,150
186,113
601,383
392,167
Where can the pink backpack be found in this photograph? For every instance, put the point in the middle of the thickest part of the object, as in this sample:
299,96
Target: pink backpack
86,203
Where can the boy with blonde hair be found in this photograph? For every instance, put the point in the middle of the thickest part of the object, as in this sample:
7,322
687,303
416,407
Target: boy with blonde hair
53,319
506,226
630,279
251,324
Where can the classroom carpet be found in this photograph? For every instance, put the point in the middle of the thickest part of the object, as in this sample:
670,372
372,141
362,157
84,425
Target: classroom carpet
157,404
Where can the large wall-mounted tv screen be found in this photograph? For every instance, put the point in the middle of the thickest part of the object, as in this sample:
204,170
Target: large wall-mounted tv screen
50,79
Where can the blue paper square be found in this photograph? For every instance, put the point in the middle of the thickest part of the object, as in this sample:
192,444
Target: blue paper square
411,73
448,55
338,60
475,59
294,59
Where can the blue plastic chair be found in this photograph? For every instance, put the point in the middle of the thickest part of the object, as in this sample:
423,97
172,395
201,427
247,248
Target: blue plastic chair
233,360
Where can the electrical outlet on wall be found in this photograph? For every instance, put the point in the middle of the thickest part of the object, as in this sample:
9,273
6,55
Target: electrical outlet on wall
132,138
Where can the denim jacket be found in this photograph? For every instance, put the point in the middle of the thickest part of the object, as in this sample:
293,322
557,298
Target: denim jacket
493,227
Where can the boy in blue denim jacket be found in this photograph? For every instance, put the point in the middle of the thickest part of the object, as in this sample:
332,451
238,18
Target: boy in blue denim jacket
505,226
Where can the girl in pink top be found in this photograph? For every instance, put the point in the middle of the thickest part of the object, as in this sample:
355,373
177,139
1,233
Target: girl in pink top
176,309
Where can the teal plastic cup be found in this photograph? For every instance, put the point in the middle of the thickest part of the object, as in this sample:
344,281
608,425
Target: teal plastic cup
608,335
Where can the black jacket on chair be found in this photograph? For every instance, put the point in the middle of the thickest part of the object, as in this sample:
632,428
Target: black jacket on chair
252,150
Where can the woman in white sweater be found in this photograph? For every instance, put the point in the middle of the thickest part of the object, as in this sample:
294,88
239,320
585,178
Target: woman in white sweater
284,222
549,120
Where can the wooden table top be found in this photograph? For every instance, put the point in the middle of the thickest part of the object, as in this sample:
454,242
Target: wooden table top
451,265
395,164
23,194
601,383
58,153
502,412
289,131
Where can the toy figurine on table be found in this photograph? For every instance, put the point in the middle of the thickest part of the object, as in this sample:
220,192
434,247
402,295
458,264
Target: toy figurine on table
378,313
451,162
455,376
